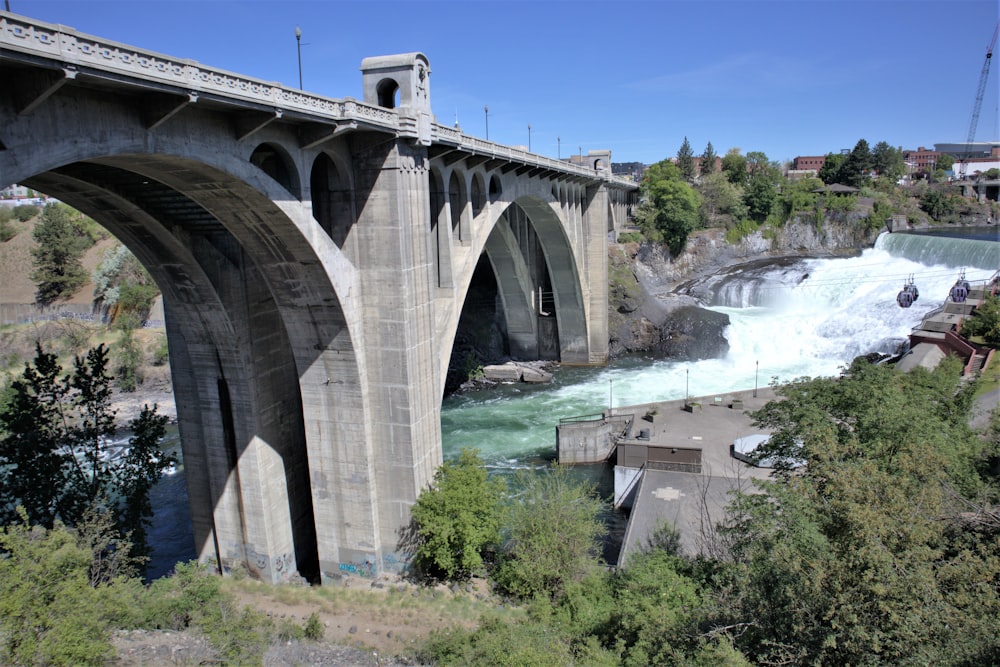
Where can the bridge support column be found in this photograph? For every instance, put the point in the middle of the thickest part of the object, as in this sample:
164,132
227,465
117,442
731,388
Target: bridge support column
397,276
596,222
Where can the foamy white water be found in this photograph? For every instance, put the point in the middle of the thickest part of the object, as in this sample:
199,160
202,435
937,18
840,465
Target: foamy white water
811,319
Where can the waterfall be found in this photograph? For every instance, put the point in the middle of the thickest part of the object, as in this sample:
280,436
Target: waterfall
932,249
809,317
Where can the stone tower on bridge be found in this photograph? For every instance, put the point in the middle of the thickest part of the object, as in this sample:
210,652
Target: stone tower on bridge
314,256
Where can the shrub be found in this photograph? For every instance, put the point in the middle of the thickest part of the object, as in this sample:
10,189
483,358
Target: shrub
457,518
742,229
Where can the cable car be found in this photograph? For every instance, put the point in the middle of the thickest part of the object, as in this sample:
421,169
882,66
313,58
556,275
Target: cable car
908,295
960,290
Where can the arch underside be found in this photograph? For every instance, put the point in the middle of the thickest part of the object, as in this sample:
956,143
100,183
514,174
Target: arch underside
241,353
538,285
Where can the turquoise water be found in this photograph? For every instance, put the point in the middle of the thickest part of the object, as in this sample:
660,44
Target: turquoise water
807,320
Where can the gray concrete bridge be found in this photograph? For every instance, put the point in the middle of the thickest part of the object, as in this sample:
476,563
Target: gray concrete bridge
314,256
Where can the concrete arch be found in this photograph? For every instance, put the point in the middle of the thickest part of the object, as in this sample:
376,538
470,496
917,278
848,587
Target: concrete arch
509,255
477,194
263,251
332,197
274,160
459,204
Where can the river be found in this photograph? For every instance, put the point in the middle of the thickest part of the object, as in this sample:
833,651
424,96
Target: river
809,318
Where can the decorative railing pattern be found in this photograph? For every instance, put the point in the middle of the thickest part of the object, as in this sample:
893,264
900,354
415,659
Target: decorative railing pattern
70,48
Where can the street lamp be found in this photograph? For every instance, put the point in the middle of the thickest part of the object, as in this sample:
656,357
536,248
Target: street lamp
559,147
529,137
486,109
298,43
755,372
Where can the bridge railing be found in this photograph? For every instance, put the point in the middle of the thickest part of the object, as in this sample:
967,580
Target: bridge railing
73,50
70,48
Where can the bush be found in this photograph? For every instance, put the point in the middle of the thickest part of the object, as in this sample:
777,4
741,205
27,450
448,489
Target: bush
49,612
631,237
25,212
741,230
456,519
554,535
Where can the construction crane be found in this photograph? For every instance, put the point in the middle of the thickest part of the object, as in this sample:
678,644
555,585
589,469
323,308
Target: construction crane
979,99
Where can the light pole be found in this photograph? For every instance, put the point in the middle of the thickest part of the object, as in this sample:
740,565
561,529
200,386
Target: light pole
559,147
529,137
755,372
486,109
298,43
611,397
687,385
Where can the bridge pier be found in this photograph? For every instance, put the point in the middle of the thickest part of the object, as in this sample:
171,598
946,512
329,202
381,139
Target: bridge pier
314,256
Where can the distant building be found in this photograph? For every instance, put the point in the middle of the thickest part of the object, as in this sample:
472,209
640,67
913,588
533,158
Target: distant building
806,162
633,170
976,150
921,159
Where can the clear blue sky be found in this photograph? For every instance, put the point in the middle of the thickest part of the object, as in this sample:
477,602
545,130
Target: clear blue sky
787,78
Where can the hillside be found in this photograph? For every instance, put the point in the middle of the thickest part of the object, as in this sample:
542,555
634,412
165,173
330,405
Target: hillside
16,286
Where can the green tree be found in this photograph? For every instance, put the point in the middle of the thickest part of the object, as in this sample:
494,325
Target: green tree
734,166
457,518
857,164
759,197
685,160
888,161
862,556
984,321
937,204
720,198
57,259
54,448
708,160
945,162
554,535
656,606
670,206
830,171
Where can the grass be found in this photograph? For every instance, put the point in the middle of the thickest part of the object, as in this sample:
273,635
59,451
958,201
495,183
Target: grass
989,379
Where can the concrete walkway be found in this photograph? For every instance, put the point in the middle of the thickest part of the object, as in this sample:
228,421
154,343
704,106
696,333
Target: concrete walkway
693,502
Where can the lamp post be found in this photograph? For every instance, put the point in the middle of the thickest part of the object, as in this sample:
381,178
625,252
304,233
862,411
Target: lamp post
611,397
559,147
298,44
687,385
755,372
529,137
486,110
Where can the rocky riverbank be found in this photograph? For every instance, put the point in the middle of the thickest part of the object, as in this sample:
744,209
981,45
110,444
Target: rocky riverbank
656,301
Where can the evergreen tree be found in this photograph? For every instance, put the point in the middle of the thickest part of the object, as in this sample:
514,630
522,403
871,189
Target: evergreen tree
54,449
708,160
854,170
685,160
57,259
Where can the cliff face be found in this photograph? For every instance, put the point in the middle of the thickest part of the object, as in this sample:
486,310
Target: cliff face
655,304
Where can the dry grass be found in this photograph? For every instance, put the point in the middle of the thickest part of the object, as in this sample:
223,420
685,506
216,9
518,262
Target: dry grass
390,615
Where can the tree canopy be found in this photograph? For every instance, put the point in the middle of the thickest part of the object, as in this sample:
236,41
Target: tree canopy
670,207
